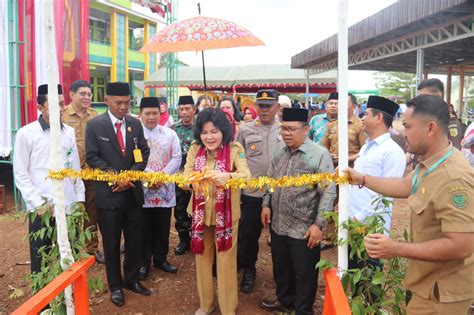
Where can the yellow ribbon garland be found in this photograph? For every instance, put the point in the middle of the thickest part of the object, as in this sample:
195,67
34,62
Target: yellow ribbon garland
154,178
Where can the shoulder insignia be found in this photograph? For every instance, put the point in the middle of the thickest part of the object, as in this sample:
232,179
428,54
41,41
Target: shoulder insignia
453,131
459,200
242,155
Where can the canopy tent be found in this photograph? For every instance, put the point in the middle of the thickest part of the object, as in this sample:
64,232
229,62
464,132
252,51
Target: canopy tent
248,79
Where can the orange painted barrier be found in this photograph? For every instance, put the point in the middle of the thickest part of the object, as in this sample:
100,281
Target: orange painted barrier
76,275
335,300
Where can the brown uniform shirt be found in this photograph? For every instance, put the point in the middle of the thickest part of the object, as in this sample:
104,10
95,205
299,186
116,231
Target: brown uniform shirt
71,118
442,203
357,137
456,131
240,169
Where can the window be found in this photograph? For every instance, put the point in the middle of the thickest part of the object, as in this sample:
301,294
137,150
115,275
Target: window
99,27
98,87
136,32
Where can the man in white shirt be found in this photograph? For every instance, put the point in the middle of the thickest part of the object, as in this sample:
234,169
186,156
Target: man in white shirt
380,156
31,165
165,156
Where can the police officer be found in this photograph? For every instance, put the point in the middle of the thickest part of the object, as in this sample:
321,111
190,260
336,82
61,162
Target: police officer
440,194
259,139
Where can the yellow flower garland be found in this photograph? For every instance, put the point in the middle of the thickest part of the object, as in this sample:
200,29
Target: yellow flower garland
180,180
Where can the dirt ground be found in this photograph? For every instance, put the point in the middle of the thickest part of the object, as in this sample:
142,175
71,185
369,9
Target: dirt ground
171,293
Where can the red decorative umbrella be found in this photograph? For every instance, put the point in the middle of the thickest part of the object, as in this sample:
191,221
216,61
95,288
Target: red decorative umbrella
199,34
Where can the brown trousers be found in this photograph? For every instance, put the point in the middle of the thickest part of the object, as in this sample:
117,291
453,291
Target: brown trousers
93,245
226,272
431,306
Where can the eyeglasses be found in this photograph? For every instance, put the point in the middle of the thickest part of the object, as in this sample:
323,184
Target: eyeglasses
291,130
84,94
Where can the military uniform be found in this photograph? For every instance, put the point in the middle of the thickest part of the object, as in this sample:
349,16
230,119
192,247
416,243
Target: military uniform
181,217
441,203
78,123
260,142
357,137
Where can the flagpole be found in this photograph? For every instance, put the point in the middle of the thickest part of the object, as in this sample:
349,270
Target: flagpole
343,146
57,162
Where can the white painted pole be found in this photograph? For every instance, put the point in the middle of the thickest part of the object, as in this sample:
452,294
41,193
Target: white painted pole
343,148
56,156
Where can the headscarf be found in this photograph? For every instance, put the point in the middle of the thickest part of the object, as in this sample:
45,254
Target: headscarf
252,110
231,119
164,117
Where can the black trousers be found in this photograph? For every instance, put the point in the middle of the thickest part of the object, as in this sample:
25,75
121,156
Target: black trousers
156,234
250,228
35,244
181,216
294,272
355,263
112,222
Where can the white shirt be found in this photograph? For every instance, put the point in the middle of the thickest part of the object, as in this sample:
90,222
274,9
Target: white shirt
165,156
122,128
381,157
32,163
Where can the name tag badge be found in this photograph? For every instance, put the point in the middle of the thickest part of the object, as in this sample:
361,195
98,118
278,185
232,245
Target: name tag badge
137,154
104,139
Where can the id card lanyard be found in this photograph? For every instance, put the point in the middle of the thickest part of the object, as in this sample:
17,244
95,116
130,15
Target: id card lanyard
415,180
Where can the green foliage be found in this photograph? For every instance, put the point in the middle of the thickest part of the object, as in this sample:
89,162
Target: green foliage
396,84
384,283
51,261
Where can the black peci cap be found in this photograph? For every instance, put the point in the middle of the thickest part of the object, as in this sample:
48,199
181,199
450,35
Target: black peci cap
117,89
186,100
295,114
148,102
43,89
383,104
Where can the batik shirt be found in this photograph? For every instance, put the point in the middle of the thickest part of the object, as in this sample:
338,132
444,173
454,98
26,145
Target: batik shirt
186,137
165,156
295,209
318,127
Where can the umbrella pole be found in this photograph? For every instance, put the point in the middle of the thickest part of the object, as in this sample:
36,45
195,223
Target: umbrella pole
204,72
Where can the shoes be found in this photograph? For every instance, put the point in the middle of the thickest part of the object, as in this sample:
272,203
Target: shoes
166,266
181,248
117,297
99,258
200,311
144,272
325,245
248,281
137,287
275,306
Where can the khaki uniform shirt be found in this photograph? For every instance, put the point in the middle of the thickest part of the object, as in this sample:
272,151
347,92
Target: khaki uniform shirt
71,118
442,203
357,137
456,131
259,142
239,170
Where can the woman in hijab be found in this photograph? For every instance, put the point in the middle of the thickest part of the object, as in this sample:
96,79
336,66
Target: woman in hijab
166,120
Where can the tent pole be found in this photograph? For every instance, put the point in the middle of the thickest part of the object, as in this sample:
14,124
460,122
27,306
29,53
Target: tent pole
343,145
307,90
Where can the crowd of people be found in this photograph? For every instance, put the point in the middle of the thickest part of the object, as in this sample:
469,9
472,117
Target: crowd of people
222,226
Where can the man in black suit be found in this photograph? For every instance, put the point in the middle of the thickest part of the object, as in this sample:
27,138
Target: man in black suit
115,142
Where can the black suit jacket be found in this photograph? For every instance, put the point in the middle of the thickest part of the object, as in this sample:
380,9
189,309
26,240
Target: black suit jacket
103,152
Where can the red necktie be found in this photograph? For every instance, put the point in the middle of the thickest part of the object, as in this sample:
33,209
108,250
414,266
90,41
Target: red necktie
118,125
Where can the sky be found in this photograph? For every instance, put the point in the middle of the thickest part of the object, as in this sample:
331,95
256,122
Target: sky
287,27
